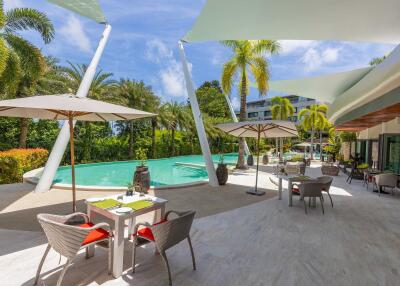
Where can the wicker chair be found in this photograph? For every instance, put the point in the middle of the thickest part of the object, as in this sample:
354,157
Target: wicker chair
327,181
330,170
386,181
311,189
165,235
295,168
67,237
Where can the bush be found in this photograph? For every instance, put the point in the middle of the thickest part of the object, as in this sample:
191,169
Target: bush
15,162
297,158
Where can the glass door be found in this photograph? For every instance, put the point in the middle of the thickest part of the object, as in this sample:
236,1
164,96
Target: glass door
391,158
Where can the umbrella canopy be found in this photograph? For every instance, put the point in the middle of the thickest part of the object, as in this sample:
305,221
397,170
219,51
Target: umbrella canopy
262,128
68,106
258,129
59,107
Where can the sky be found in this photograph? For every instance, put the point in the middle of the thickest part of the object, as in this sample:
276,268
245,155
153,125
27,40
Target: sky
143,46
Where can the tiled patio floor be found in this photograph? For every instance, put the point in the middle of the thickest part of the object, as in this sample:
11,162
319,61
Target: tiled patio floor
262,243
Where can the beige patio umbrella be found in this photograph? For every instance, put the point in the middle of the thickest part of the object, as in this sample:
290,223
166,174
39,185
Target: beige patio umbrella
68,107
258,129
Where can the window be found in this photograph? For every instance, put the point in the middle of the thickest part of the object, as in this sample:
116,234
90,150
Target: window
391,157
252,114
295,110
267,113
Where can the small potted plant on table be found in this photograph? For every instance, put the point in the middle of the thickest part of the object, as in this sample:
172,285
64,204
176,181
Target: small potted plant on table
142,175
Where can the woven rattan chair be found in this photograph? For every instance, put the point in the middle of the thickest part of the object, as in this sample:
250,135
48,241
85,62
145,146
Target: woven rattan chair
327,180
165,235
311,189
70,233
295,168
386,181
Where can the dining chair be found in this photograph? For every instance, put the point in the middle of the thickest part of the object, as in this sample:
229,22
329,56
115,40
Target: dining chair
386,180
311,189
165,234
68,234
327,181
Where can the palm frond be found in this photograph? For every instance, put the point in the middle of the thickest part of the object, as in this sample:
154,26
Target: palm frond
3,55
228,73
266,46
19,19
10,78
259,69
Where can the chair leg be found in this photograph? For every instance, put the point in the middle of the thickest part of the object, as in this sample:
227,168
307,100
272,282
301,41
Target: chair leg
63,272
41,263
309,202
322,205
109,254
191,251
330,199
134,253
305,206
164,256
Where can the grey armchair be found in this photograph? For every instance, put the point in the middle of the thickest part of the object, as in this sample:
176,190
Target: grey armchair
327,181
68,239
165,234
386,181
311,189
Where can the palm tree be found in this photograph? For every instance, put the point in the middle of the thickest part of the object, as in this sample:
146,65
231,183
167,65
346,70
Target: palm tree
248,59
136,94
313,118
21,63
281,109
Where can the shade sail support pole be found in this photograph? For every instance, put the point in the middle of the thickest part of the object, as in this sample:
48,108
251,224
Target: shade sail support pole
61,143
205,148
234,118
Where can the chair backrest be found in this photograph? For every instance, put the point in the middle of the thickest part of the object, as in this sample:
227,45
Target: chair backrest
173,231
311,189
292,168
389,180
63,238
327,181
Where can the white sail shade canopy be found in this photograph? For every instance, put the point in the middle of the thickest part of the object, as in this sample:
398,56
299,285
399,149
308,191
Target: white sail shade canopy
351,20
57,107
88,8
323,88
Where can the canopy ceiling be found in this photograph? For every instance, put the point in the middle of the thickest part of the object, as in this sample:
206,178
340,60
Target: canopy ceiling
87,8
321,88
351,20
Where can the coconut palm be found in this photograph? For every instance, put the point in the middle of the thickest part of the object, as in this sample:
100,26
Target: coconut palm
313,118
136,94
281,109
248,60
21,63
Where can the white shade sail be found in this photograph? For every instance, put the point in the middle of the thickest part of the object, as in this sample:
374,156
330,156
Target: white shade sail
266,128
57,107
87,8
321,88
351,20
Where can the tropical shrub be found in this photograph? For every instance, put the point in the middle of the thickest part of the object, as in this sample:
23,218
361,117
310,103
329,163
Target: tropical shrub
15,162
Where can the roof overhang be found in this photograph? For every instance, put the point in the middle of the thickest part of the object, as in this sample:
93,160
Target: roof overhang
352,20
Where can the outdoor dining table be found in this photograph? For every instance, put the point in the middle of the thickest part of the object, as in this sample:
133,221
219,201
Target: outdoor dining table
291,179
146,204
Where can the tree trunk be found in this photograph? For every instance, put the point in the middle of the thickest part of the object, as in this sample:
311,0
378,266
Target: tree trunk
23,133
320,145
281,151
241,162
87,141
276,146
172,142
153,137
130,150
312,143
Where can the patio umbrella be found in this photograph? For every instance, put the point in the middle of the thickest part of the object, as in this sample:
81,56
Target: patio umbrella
68,107
258,129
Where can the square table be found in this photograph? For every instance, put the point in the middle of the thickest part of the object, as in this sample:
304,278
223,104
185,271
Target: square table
291,179
119,222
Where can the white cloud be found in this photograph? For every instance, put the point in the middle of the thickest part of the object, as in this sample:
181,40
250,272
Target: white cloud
291,46
171,74
314,58
235,103
73,31
11,4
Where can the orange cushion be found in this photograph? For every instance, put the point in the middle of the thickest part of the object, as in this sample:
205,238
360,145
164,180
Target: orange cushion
94,235
296,190
146,232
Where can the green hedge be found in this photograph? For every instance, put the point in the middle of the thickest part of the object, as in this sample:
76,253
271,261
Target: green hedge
15,162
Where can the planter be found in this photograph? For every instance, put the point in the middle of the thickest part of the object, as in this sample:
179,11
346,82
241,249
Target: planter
250,160
142,178
222,174
265,159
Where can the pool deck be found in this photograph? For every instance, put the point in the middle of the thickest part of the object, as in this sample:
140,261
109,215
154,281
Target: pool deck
238,239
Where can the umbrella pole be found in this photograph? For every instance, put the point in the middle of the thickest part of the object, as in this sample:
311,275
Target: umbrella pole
72,151
255,191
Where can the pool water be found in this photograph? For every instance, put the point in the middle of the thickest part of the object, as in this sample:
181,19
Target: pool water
168,171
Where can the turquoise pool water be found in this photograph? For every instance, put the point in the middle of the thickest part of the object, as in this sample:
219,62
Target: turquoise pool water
168,171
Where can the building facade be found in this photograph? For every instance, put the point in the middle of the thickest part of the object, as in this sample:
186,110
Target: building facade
261,109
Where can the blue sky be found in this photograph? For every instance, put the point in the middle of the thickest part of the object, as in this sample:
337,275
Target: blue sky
143,46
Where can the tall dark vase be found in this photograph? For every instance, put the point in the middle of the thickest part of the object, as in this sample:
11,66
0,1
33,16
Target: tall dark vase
142,178
250,160
222,174
265,159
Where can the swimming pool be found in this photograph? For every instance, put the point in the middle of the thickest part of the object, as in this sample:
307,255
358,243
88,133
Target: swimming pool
163,172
